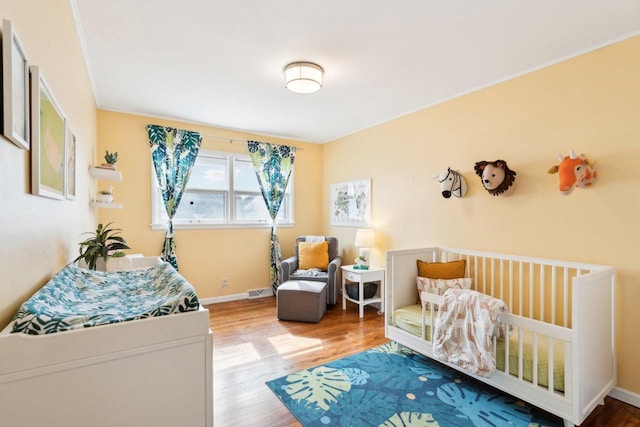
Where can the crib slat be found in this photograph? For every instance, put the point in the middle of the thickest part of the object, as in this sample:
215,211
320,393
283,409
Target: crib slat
475,273
520,354
467,266
507,368
484,275
550,365
566,297
493,275
542,286
432,299
521,286
511,284
553,295
535,358
432,324
531,291
501,279
423,332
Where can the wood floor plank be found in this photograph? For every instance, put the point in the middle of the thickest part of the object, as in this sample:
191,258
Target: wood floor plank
251,346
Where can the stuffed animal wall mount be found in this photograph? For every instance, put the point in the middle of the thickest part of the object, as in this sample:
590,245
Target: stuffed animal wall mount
574,171
451,183
496,177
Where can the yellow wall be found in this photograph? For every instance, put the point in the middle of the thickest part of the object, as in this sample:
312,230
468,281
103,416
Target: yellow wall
204,256
39,235
590,103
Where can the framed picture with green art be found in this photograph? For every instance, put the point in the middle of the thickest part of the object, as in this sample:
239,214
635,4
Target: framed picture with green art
15,87
351,203
48,127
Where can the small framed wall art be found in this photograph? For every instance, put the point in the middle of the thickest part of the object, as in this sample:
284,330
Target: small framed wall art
351,203
48,126
70,165
15,87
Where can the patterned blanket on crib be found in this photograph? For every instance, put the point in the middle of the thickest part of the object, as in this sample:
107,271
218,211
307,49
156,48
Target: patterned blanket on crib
79,298
465,326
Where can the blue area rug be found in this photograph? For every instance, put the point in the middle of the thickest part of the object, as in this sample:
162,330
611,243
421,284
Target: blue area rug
381,387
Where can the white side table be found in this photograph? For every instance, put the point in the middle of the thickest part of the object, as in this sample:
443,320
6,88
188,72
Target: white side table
373,274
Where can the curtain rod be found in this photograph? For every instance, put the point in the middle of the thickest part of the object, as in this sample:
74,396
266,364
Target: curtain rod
231,140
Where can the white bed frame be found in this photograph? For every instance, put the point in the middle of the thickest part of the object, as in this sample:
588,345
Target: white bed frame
572,303
156,371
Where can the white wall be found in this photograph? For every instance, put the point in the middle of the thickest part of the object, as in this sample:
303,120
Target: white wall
39,235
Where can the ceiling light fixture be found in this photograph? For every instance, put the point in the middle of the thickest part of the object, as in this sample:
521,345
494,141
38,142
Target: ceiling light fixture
303,77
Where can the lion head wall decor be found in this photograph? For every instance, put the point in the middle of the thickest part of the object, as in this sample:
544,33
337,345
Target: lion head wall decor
574,171
451,183
496,177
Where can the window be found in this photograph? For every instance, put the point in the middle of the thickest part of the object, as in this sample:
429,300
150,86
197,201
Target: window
222,191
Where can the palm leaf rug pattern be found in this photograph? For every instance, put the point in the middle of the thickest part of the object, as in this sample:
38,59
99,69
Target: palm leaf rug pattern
384,387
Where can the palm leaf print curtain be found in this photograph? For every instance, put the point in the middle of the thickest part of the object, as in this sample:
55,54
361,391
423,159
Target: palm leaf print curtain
273,165
173,152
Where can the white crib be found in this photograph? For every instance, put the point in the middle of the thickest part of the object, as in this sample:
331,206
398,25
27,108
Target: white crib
558,303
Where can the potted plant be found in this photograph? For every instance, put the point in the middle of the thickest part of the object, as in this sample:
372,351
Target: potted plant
110,158
106,196
101,243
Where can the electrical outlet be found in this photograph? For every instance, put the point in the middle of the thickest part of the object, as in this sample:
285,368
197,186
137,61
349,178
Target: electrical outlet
225,282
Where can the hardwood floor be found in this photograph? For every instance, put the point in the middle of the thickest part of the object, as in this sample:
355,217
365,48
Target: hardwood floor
251,346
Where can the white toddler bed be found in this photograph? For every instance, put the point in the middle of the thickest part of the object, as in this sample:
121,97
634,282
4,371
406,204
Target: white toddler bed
561,314
151,371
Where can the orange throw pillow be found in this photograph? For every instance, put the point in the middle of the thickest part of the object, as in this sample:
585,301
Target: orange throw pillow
313,255
442,270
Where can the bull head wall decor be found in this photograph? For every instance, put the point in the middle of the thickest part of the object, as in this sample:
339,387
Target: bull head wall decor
574,171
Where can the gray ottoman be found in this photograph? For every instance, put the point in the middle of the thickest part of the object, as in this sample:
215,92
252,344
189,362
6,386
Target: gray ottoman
302,300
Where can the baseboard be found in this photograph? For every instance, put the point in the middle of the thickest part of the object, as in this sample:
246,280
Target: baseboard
225,298
234,297
626,396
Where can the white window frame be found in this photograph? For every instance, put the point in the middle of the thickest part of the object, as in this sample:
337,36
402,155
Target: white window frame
157,208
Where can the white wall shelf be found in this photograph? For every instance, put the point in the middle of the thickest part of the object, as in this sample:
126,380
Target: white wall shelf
104,173
108,175
106,205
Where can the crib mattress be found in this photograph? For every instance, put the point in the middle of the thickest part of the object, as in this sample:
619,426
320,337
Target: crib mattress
409,319
79,298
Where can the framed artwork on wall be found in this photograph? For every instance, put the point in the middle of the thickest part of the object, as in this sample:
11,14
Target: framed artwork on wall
351,203
70,165
15,88
48,126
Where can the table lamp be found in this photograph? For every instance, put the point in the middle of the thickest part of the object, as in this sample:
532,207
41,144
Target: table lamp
365,241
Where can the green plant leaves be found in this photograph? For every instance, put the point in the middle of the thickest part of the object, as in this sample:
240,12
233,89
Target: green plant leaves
103,241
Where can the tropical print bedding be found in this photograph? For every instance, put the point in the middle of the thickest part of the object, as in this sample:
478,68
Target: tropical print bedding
79,298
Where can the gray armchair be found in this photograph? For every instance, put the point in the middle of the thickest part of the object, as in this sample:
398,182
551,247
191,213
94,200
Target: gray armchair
331,276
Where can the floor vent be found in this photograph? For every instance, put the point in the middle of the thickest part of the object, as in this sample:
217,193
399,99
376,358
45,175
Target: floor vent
260,293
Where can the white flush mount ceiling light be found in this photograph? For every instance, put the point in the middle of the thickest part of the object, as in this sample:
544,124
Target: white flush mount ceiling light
303,77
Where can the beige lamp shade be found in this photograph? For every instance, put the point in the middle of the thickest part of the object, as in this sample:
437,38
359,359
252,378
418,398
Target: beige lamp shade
364,239
303,77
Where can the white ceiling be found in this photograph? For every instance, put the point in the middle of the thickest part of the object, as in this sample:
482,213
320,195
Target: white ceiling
220,63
